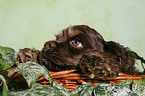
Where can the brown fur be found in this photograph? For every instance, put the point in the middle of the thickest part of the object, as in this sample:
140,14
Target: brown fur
61,55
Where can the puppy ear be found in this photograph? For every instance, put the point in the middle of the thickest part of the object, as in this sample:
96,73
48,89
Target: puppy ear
115,48
119,51
123,56
99,40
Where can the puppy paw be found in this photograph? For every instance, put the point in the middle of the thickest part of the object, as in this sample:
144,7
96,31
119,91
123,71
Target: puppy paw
27,54
104,72
99,65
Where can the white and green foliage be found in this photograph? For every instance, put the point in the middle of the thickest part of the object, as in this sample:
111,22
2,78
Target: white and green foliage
31,71
139,87
7,57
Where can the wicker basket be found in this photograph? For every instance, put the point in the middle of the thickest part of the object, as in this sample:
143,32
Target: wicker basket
71,79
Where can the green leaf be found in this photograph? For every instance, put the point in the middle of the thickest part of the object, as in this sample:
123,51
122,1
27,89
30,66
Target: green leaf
4,73
38,90
88,91
79,90
139,87
31,71
61,89
127,82
6,50
122,89
136,56
3,62
5,88
13,71
7,57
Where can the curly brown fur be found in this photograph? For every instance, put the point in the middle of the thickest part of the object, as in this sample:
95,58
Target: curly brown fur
60,54
101,65
27,54
74,42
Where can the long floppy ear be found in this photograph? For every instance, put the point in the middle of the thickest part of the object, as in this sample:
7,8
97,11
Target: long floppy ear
116,49
123,56
99,41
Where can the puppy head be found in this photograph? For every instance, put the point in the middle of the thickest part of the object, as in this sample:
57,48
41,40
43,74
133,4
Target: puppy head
66,51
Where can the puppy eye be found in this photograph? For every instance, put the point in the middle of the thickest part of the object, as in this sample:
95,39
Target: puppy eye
76,44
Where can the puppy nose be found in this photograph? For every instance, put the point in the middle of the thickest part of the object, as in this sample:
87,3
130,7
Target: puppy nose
50,45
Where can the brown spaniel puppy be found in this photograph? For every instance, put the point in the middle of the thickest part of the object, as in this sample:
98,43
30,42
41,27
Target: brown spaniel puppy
65,52
82,47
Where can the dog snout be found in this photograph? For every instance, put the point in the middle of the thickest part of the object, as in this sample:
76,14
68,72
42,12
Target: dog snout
50,45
